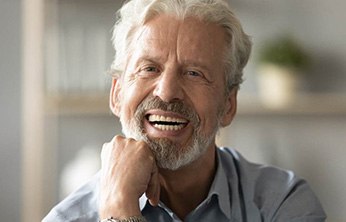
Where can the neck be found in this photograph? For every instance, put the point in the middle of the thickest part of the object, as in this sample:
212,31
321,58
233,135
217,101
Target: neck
184,189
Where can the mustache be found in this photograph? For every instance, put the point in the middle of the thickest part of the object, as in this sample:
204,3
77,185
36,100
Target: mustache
176,106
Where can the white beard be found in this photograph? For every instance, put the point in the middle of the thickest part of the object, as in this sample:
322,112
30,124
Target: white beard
169,155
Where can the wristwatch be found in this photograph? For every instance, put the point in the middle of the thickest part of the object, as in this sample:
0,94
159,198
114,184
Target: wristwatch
130,219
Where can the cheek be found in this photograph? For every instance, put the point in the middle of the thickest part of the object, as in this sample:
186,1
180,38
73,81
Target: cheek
207,108
133,95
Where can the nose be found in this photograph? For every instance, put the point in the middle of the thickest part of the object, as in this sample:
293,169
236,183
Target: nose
169,86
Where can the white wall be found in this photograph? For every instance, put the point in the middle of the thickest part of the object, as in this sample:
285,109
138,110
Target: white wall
10,111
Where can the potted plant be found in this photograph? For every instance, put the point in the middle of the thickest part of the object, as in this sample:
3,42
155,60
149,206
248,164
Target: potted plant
281,62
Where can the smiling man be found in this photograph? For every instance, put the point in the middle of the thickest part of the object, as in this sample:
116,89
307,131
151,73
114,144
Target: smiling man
177,70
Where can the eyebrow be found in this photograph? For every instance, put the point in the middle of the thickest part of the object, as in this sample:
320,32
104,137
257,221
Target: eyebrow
147,56
189,62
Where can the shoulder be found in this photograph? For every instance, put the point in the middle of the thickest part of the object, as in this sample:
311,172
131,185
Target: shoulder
278,194
256,174
80,205
252,172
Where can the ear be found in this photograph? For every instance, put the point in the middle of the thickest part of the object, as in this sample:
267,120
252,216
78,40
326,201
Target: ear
114,102
230,108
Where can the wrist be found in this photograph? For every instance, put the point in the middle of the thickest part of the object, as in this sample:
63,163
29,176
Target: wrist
129,219
119,209
119,212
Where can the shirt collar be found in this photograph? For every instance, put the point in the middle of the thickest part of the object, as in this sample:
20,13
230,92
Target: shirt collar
218,188
142,201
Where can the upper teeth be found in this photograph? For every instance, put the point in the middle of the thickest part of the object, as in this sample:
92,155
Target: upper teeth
159,118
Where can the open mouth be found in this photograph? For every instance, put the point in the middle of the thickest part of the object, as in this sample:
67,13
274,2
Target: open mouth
167,123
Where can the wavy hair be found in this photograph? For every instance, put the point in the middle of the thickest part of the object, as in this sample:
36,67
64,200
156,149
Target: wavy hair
136,13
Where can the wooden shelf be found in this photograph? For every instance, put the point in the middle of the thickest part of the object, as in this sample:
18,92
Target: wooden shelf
305,104
91,104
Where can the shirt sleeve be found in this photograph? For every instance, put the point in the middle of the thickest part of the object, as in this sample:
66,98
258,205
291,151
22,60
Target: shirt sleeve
79,206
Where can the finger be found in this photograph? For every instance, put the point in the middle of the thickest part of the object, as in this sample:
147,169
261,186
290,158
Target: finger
108,148
158,191
153,194
153,190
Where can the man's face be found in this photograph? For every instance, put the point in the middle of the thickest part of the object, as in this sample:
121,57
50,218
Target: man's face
172,93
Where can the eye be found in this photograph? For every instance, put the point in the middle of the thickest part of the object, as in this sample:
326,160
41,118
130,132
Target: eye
194,73
150,69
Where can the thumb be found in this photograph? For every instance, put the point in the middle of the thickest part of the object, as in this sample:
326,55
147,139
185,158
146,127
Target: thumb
153,190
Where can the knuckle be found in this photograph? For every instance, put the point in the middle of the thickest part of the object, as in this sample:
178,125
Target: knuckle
118,139
151,158
146,151
130,141
142,144
118,142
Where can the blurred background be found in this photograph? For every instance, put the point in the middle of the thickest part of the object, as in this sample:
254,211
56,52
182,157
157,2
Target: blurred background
54,116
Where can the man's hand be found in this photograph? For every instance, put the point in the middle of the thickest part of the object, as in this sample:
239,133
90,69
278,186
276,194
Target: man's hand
128,170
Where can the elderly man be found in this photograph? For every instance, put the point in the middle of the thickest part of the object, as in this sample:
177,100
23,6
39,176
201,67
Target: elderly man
177,70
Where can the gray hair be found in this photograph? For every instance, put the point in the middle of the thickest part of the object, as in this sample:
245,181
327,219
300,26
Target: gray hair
136,13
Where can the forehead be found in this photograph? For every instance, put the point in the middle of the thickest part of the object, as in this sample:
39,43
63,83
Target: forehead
188,39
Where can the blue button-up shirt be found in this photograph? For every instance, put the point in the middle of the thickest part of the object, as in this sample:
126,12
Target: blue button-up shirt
241,191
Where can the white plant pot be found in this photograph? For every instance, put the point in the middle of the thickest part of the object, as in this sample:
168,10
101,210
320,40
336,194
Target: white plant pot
277,85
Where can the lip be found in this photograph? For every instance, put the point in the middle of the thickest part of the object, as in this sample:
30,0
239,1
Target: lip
169,134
